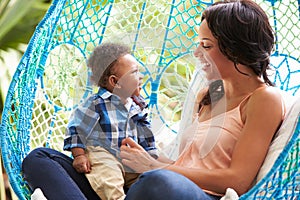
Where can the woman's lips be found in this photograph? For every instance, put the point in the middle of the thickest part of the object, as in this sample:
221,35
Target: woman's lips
205,66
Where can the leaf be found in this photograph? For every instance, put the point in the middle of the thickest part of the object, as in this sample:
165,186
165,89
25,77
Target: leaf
12,14
20,32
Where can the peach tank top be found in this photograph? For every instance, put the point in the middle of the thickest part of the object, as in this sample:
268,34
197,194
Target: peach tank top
210,143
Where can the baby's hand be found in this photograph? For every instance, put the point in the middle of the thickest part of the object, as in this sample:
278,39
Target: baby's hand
82,164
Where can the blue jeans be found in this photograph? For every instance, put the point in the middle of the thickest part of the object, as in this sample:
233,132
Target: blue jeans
53,172
166,185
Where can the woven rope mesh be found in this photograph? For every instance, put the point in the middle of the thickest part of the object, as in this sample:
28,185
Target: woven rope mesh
284,181
52,77
162,43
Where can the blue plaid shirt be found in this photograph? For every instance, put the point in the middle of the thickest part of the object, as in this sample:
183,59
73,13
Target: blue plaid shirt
103,120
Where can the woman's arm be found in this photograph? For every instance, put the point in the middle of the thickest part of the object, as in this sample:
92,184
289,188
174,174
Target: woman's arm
262,115
134,156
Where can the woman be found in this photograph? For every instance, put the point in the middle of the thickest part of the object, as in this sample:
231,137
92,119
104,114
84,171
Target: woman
238,122
237,118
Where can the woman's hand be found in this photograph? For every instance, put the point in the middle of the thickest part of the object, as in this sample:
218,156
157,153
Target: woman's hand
82,164
135,157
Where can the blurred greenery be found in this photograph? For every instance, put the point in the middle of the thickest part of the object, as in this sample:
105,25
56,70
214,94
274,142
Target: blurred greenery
18,19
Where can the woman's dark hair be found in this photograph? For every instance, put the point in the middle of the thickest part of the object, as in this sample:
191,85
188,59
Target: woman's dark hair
243,33
214,93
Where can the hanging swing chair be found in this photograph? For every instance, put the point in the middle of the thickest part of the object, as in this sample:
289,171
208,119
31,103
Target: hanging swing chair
52,77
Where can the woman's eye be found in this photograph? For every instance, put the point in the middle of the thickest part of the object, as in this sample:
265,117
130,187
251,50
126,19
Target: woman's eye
205,47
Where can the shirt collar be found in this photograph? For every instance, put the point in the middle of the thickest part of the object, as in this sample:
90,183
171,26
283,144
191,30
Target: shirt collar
128,104
105,94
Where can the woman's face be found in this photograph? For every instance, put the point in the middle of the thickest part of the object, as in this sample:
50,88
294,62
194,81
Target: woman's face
213,62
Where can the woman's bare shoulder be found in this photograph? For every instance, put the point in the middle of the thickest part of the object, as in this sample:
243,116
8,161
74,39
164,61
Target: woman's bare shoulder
266,94
266,101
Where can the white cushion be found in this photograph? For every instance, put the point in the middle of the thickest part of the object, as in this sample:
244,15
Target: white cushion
38,195
230,195
283,135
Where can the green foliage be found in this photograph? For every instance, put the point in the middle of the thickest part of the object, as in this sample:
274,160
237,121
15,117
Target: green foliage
18,20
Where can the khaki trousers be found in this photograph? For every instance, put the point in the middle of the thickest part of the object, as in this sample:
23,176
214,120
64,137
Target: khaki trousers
108,177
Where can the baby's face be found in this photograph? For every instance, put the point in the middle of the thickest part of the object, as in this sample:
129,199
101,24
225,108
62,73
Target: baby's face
137,91
129,77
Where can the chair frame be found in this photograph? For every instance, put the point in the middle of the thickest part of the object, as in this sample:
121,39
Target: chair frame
32,68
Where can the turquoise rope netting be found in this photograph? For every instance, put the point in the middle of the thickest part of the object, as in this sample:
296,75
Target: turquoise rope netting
51,77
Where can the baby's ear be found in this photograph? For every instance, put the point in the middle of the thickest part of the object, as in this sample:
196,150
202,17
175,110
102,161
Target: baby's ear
113,81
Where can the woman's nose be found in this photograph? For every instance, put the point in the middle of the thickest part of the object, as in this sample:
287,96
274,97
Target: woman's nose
198,52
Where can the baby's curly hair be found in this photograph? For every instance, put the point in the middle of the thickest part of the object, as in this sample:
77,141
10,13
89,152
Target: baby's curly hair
103,59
